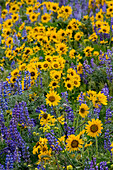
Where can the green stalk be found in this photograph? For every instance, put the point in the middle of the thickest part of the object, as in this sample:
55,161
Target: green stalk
96,146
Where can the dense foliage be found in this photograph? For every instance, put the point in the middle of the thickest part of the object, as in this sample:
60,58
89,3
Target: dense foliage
56,85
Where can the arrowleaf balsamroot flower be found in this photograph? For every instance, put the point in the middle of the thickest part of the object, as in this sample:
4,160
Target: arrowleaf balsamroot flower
94,127
112,147
83,110
53,98
74,143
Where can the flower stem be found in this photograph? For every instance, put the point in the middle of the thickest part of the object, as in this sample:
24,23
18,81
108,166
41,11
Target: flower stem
96,146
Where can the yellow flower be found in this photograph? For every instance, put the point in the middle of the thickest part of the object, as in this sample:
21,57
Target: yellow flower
79,68
15,72
96,53
102,98
33,73
45,65
54,84
33,17
4,13
46,119
30,2
69,167
76,82
99,24
99,16
22,67
67,11
105,29
85,17
9,41
83,110
14,8
29,10
73,143
45,18
78,36
99,99
91,94
61,48
88,144
71,71
94,127
13,80
69,85
22,26
111,147
93,37
54,6
61,119
15,17
88,49
55,75
72,54
53,98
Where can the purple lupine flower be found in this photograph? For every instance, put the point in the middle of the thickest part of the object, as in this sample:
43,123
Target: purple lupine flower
87,68
16,41
107,142
53,142
65,96
40,166
97,110
12,64
108,115
68,130
93,164
69,113
103,165
2,167
77,11
62,2
92,63
81,98
9,161
17,155
42,107
21,115
105,90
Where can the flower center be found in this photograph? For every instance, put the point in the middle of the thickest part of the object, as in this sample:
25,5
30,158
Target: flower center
54,84
45,116
75,82
74,144
15,17
15,73
33,17
9,41
44,149
27,51
32,74
72,73
82,110
54,7
14,79
56,76
66,10
51,98
44,18
55,65
45,65
94,128
68,85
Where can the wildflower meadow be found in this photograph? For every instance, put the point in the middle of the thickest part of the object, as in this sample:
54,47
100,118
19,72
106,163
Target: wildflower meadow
56,85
